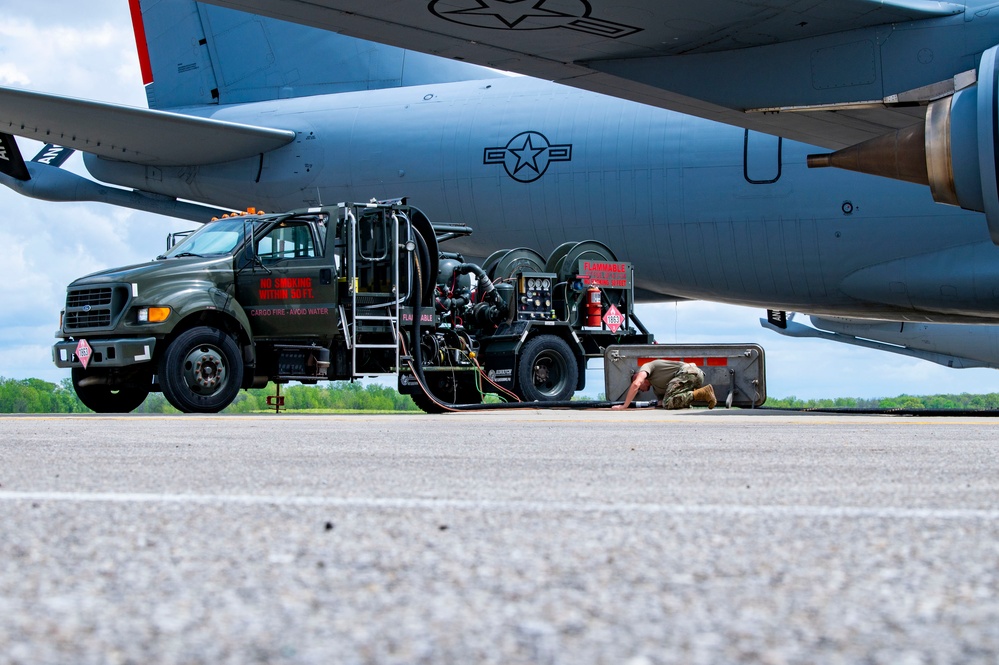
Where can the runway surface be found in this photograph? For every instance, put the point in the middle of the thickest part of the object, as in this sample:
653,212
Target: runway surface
527,537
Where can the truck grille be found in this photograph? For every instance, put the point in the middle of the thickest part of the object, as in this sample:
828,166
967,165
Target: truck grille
89,308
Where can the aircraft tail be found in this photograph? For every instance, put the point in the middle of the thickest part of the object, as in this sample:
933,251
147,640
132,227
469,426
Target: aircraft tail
193,54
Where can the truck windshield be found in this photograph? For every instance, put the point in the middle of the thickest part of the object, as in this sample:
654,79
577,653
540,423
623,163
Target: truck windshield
214,238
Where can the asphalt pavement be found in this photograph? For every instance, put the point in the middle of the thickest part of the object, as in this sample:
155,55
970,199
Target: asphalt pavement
638,538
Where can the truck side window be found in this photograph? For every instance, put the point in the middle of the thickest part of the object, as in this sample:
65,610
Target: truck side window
287,240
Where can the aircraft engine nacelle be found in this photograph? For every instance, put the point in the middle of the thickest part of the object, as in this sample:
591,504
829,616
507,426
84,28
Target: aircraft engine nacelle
960,144
955,151
948,344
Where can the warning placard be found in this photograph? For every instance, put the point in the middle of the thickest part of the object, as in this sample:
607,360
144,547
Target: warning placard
83,353
605,274
613,319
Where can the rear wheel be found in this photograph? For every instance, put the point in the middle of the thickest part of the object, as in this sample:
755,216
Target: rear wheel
201,371
98,395
546,370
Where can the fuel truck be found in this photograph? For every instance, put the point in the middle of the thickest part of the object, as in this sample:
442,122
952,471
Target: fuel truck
339,293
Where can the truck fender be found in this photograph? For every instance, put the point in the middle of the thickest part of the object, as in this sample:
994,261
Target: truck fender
201,303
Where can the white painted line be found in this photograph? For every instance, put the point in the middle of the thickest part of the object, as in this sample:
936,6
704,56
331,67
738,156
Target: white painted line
886,512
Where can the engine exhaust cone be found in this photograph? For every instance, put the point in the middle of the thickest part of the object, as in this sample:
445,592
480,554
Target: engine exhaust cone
900,155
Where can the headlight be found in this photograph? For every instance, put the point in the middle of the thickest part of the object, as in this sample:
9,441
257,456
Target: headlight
153,314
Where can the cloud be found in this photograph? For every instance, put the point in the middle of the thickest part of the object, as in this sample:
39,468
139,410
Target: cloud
12,76
80,53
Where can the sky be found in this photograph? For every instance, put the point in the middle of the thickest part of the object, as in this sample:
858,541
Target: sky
86,49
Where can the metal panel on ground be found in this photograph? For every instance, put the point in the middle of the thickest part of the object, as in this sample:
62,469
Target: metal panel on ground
736,371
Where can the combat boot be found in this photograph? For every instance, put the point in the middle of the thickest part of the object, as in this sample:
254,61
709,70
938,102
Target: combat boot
706,394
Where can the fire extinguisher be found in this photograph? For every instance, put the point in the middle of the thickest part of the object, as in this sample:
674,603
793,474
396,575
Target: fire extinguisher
593,307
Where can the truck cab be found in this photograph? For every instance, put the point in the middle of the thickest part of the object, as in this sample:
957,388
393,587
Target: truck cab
201,320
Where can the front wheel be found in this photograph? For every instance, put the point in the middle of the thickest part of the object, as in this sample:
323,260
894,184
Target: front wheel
201,371
546,370
99,396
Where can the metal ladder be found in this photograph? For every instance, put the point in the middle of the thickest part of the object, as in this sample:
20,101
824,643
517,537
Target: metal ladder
387,318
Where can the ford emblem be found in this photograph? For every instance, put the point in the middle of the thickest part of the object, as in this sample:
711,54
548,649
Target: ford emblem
86,308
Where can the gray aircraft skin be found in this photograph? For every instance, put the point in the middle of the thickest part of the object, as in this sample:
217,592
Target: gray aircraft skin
250,111
666,191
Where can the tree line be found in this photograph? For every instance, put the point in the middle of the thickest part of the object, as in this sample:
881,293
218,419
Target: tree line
964,401
38,396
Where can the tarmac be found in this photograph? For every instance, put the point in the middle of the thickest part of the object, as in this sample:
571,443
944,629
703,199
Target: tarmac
641,538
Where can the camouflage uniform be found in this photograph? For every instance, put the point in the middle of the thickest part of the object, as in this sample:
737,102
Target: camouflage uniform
673,382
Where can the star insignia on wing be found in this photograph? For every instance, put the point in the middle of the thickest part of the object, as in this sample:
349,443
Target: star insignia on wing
512,13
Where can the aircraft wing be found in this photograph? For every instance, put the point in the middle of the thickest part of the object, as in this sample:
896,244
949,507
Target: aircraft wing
132,134
842,62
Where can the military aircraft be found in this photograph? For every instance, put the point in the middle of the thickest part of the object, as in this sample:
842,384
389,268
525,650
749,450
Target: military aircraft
247,110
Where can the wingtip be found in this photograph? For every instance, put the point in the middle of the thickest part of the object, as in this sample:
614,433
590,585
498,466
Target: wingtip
11,161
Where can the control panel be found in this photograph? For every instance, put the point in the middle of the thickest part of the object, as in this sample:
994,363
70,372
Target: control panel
534,296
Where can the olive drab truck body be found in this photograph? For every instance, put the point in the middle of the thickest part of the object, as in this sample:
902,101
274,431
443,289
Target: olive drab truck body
338,293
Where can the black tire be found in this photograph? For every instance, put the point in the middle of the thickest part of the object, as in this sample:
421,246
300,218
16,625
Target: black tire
201,371
546,370
448,388
102,398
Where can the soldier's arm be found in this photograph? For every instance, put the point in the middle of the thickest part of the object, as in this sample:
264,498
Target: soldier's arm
633,389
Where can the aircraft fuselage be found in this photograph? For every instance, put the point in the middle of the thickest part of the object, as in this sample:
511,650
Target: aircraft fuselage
704,210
